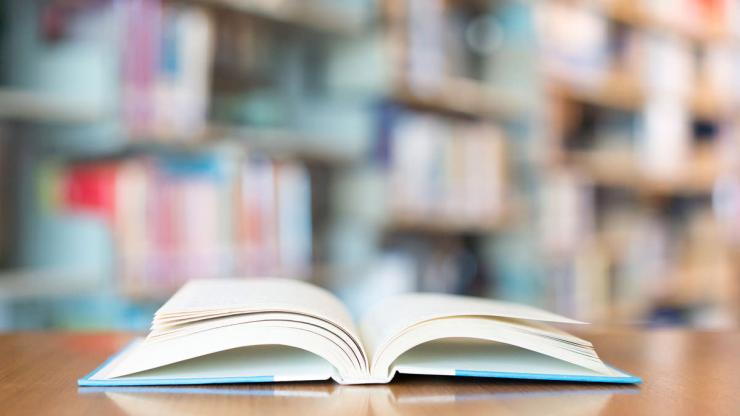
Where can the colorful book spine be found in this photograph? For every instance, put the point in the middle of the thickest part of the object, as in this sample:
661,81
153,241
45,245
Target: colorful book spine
165,68
176,218
453,170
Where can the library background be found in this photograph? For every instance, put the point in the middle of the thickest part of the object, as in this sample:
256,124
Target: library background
581,156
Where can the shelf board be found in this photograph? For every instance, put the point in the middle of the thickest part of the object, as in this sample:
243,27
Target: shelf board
621,169
619,90
279,143
29,106
285,143
623,91
460,96
449,226
631,13
26,284
311,14
707,103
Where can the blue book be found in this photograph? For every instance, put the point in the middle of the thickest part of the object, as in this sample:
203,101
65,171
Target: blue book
220,331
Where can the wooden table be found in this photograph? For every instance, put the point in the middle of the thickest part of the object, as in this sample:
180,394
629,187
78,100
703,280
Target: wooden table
684,372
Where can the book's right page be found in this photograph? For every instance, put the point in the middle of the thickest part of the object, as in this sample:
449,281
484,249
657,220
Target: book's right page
464,336
472,358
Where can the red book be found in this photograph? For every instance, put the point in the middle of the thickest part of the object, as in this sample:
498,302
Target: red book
91,188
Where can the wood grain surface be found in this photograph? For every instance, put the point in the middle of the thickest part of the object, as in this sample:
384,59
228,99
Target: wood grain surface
684,373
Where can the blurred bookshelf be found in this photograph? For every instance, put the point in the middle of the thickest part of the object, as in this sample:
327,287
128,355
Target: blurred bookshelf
644,114
576,155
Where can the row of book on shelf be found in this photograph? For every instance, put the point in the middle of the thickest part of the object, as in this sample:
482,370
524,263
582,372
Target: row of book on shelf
444,40
611,258
183,65
675,93
444,169
582,45
166,58
178,217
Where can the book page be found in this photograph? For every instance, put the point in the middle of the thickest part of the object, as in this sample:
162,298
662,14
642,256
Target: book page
256,295
212,315
488,329
275,362
489,359
146,356
309,323
391,317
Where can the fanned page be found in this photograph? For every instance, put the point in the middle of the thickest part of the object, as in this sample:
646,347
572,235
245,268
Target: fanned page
255,294
456,335
269,329
209,323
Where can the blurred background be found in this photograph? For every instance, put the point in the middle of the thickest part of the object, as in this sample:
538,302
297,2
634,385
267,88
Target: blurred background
582,156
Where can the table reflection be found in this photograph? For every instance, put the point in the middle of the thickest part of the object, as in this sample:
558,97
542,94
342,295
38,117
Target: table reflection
405,397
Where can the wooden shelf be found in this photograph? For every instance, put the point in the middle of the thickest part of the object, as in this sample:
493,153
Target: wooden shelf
285,143
462,97
623,91
279,143
311,14
437,225
707,103
620,168
24,284
619,90
633,13
29,106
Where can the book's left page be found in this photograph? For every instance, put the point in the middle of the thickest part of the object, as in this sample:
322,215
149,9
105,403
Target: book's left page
233,330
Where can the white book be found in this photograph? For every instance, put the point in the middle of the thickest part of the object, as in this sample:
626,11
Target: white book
216,331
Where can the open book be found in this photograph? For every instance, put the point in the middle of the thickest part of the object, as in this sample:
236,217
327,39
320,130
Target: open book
270,330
